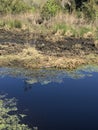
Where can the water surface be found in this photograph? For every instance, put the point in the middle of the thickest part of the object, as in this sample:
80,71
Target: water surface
54,99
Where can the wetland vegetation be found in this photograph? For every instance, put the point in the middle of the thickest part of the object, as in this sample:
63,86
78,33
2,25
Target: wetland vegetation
37,35
48,99
48,33
10,119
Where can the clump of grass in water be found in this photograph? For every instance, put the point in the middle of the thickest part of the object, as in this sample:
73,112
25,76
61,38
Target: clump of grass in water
10,121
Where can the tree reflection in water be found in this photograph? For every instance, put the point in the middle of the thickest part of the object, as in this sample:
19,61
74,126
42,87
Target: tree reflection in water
27,86
46,76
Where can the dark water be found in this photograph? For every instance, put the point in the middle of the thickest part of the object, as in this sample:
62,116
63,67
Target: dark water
54,100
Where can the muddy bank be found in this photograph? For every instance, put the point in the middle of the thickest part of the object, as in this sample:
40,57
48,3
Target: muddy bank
30,50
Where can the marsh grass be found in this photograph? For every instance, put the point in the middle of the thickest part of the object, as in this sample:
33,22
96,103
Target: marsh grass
13,24
65,23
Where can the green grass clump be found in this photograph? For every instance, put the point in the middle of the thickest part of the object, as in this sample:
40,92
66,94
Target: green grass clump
73,31
13,24
83,30
63,27
17,24
66,30
2,23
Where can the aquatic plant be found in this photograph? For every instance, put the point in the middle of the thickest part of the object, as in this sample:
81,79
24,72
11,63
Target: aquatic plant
9,119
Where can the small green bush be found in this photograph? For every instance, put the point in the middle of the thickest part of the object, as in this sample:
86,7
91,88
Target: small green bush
13,6
5,6
19,6
50,8
89,10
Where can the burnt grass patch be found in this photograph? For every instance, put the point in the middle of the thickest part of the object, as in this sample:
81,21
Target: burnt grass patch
36,50
65,46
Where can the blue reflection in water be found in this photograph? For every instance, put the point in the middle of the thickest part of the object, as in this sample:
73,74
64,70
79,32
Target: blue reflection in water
55,104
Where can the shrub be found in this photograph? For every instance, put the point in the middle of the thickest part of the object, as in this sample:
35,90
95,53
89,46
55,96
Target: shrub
19,6
89,10
5,6
13,6
50,8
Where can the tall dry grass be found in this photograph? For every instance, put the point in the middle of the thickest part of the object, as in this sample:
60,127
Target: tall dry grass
70,24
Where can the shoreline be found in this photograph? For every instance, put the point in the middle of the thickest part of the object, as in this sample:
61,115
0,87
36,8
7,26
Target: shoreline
45,51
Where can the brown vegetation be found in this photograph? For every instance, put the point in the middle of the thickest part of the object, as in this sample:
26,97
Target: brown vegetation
62,40
45,51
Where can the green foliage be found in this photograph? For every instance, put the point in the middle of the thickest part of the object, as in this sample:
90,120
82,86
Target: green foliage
50,8
19,6
33,9
2,23
10,121
72,31
66,29
63,27
96,1
11,24
83,30
15,24
5,6
89,10
13,6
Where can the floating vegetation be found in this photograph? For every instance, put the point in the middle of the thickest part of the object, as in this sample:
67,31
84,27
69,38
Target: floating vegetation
9,119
